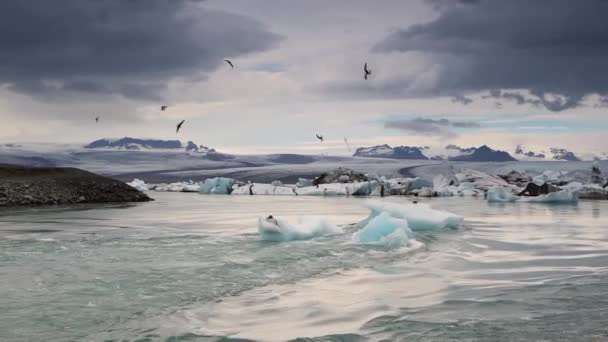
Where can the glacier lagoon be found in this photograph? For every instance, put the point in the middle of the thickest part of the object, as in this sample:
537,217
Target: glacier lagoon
192,267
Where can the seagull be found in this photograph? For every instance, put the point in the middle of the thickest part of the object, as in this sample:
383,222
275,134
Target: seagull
229,63
346,142
320,137
162,108
179,125
366,71
97,119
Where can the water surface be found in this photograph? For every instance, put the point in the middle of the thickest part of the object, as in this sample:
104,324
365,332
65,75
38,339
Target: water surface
192,267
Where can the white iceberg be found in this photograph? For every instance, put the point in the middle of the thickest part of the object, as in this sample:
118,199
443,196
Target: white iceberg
178,187
467,183
303,182
385,230
551,176
138,184
263,189
419,216
307,228
563,196
217,185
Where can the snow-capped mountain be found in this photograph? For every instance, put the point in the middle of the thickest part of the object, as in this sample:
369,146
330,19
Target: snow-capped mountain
521,152
451,152
480,154
555,153
134,144
563,154
385,151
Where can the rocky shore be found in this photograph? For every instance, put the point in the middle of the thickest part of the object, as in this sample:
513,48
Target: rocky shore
38,186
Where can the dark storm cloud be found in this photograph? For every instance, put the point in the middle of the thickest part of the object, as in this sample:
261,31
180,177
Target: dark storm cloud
423,126
544,46
127,47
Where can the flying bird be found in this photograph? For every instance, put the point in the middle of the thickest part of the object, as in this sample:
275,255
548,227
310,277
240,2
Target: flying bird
162,108
179,125
346,142
320,137
97,119
366,71
229,63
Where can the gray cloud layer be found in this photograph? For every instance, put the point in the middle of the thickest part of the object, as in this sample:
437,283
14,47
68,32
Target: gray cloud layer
544,46
422,126
127,47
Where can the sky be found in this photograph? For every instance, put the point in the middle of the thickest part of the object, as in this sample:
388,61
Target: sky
465,72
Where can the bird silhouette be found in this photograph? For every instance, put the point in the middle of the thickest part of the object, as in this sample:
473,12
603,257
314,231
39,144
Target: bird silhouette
320,137
229,63
163,108
346,142
179,125
97,119
366,71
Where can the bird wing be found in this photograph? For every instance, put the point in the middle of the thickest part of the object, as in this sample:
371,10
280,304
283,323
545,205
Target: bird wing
229,63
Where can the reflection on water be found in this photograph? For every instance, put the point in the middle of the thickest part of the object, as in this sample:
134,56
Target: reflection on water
192,267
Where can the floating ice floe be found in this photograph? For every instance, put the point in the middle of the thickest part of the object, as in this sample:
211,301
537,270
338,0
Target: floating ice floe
263,189
138,184
465,183
419,216
307,228
385,230
178,187
370,188
404,186
553,177
562,196
218,185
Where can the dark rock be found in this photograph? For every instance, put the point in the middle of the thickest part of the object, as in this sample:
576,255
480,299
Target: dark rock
535,190
36,186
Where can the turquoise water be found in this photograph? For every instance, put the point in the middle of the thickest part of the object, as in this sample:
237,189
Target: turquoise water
190,267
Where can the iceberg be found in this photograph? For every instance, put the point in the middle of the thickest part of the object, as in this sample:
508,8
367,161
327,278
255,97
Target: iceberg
500,194
385,230
138,184
178,187
263,189
562,196
307,228
419,216
303,182
554,177
217,185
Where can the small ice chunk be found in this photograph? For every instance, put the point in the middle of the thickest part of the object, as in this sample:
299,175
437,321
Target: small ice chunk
385,230
303,182
307,228
419,216
499,194
217,185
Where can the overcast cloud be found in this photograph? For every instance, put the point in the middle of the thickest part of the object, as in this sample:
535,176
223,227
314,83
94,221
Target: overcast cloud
298,71
543,46
126,47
